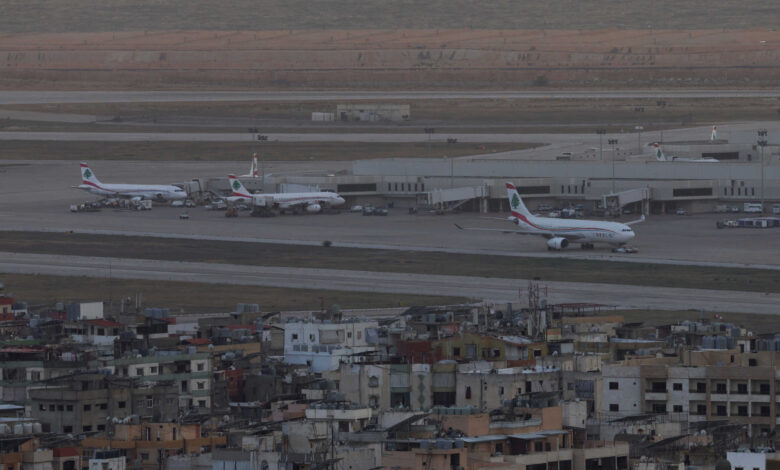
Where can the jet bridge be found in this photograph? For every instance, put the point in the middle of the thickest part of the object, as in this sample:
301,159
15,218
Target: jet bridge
449,199
616,201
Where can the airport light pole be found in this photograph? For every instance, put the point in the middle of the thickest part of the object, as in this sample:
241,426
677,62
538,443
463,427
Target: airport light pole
661,104
762,142
601,133
639,109
430,131
613,143
639,138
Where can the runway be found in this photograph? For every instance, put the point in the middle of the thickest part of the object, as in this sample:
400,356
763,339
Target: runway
489,289
43,97
555,143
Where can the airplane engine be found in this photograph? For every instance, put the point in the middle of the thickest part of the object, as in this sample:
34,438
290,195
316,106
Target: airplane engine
557,243
313,208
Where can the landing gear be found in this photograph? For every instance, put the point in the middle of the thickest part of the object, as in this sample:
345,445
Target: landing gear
586,246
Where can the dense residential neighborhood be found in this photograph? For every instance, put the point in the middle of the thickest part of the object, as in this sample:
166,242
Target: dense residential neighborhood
473,386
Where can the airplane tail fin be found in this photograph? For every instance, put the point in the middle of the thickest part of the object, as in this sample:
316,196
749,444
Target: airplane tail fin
659,153
714,135
87,176
238,188
516,202
253,170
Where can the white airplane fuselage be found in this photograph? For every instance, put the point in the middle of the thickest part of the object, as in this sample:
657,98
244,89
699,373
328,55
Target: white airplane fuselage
143,191
577,231
288,200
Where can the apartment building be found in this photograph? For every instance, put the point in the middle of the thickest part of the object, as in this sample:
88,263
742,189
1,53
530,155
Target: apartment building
698,386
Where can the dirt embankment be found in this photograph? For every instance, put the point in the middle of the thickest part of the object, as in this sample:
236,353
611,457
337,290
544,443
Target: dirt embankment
391,58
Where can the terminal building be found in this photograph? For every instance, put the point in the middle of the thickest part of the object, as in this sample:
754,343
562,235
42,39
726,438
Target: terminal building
636,184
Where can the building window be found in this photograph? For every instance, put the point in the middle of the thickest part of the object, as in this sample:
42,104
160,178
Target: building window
121,404
202,403
537,446
500,390
101,427
742,410
103,406
720,388
139,371
721,410
201,366
201,386
42,407
67,429
86,429
144,455
456,352
701,387
295,336
153,370
87,407
69,408
677,408
677,386
614,385
468,392
60,407
51,407
659,408
701,410
614,407
373,381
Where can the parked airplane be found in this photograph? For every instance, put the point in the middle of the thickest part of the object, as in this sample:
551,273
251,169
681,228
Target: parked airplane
659,155
253,171
158,192
561,232
313,201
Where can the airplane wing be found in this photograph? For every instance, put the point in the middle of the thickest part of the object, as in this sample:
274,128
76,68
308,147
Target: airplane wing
522,232
639,220
567,236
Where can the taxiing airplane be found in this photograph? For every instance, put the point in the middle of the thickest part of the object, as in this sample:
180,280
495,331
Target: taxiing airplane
313,201
157,192
659,155
560,233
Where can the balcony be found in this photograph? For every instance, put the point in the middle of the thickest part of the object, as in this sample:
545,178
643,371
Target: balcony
655,396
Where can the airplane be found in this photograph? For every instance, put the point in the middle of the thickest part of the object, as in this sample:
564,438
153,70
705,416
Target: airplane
310,201
252,169
659,155
560,233
157,192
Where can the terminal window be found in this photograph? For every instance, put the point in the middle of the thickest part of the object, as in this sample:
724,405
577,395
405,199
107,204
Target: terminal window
688,192
356,188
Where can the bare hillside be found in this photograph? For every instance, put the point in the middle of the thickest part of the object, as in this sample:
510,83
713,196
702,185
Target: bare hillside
18,16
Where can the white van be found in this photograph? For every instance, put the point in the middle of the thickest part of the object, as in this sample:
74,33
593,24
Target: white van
752,207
